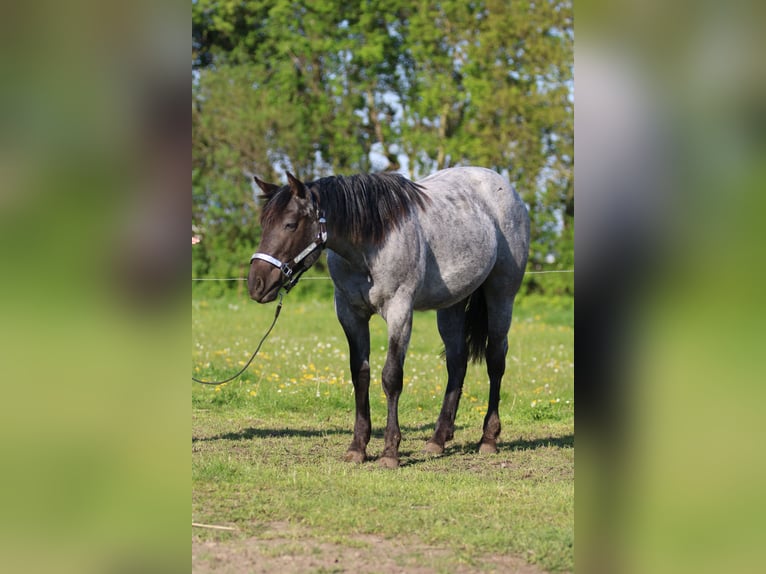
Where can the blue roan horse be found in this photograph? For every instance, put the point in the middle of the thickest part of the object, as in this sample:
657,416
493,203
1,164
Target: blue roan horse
456,241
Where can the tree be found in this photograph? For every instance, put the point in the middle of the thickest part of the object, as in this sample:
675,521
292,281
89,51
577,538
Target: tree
328,87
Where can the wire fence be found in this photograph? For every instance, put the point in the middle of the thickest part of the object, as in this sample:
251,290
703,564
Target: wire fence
329,279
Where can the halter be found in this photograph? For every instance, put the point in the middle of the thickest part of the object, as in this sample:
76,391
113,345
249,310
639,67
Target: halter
289,269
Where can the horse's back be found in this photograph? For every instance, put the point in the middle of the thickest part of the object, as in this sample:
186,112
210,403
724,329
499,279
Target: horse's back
456,189
475,224
496,195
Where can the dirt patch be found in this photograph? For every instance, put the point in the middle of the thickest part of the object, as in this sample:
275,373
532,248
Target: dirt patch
288,550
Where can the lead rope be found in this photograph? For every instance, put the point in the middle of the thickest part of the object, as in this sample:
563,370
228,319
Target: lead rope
258,348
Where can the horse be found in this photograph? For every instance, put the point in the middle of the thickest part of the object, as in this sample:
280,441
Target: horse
456,241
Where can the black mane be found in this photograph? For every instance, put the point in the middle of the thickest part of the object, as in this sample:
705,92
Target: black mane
362,207
366,207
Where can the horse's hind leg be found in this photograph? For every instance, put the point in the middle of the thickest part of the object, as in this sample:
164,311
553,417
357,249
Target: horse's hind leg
451,322
357,330
496,351
500,311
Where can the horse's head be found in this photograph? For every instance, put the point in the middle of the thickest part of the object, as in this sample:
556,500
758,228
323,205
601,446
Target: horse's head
292,237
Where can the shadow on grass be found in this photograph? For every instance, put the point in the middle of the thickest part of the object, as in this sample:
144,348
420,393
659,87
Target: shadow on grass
463,449
408,457
254,433
566,441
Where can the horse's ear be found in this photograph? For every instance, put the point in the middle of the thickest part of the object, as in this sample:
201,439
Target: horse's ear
296,186
268,189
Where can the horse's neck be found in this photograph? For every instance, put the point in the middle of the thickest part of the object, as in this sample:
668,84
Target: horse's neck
354,254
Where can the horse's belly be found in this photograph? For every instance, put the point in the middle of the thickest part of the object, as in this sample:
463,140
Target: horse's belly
454,272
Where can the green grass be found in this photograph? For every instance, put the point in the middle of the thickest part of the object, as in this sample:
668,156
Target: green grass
268,447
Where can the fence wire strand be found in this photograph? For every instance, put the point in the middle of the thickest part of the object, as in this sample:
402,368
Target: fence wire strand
328,278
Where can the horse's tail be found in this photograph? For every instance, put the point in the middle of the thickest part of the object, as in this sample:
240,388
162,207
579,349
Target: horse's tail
476,327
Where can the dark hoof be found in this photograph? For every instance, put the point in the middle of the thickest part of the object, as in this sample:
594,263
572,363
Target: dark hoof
355,456
389,462
433,448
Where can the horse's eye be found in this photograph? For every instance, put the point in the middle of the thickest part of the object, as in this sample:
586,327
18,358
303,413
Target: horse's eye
291,226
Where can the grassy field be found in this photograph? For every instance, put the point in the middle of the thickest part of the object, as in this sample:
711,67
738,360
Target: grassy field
267,449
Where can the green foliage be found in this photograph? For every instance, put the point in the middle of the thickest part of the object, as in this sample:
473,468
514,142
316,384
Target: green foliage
332,87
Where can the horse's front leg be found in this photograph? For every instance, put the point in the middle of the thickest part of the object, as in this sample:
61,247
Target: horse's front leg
399,320
357,330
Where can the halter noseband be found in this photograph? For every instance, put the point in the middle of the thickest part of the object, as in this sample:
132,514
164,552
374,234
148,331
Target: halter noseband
289,269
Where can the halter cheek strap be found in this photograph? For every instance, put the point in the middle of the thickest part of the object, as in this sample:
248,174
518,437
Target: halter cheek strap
288,269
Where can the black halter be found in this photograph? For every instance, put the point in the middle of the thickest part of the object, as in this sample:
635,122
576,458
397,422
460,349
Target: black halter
293,270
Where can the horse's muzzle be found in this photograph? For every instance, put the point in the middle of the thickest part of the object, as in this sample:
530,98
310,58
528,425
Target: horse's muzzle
263,287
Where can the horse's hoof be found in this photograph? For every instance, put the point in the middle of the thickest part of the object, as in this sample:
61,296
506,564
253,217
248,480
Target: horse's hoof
433,448
487,448
354,456
389,462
